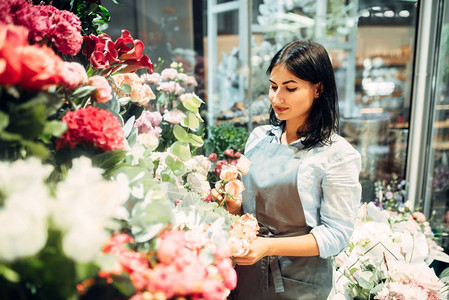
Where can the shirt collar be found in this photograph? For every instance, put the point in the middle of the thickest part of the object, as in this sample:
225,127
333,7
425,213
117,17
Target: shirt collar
277,132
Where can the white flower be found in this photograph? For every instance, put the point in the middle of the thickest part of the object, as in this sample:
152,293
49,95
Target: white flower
396,290
84,197
26,205
149,140
199,184
200,164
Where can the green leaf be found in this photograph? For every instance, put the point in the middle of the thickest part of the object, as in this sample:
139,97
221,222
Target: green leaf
132,137
37,149
190,104
195,140
181,150
177,167
9,274
123,101
126,88
161,99
129,126
4,120
83,91
108,159
53,129
180,133
191,121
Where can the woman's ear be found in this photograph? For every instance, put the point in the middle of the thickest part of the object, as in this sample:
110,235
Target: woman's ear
318,89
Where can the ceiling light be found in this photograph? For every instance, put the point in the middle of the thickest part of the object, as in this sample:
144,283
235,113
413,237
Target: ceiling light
389,13
404,13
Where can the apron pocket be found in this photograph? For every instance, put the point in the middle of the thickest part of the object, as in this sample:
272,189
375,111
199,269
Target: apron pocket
295,289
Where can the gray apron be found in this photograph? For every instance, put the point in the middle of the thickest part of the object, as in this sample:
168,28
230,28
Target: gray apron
272,196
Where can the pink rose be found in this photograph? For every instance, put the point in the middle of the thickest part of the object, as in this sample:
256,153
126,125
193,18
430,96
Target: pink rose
163,279
419,216
213,157
174,116
228,273
103,93
213,289
171,242
229,152
117,242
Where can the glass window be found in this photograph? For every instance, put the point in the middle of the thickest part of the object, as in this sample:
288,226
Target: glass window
438,186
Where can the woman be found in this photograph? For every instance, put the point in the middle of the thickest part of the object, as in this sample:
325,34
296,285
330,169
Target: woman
302,185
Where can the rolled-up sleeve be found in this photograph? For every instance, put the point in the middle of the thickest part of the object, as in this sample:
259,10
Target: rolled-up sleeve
341,194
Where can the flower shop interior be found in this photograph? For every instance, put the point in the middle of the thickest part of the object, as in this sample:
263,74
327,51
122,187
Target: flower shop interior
123,126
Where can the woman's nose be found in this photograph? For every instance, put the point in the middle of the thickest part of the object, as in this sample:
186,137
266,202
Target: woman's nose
277,98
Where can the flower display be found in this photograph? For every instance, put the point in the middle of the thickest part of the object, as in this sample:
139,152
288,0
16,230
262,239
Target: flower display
103,92
91,126
135,89
388,257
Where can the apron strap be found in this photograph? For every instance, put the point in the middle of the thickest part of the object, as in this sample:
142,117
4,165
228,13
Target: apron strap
271,263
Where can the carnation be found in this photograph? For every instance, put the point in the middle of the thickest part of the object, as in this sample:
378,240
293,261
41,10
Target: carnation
148,121
174,116
154,78
73,74
92,126
200,164
169,74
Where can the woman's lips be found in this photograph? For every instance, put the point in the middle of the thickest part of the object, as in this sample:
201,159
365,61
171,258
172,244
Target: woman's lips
280,109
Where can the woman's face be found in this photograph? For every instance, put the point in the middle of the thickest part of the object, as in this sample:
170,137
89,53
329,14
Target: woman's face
291,97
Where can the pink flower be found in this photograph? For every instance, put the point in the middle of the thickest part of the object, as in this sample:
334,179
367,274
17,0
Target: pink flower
103,93
228,273
154,78
169,74
229,152
117,242
171,87
163,279
91,126
73,74
171,242
419,216
213,289
174,116
213,157
12,40
148,121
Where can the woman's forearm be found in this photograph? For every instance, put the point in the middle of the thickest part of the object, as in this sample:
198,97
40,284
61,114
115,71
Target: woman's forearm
304,245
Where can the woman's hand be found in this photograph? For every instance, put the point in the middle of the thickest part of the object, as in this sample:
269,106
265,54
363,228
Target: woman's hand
234,206
259,249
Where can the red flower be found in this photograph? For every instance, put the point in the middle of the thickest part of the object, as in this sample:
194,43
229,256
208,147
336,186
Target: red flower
12,40
92,126
124,55
64,31
41,67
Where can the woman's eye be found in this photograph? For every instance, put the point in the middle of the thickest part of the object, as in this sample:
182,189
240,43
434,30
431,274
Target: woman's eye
291,90
274,87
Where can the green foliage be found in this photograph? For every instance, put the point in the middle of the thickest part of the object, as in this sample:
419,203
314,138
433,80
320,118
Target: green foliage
225,136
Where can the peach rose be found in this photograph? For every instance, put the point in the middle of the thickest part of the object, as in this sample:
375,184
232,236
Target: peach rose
229,173
103,93
243,164
234,188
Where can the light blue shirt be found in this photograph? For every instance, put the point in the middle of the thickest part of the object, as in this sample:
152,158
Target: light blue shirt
328,186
